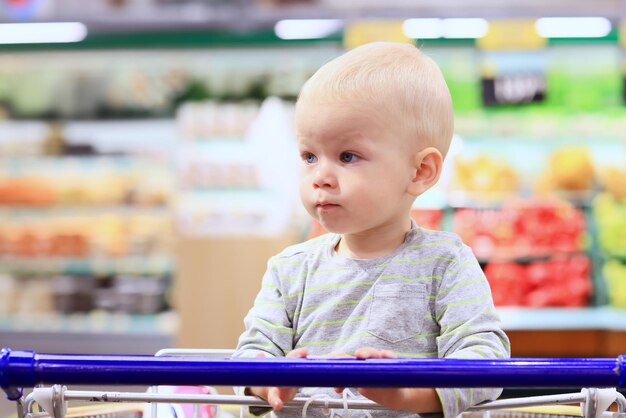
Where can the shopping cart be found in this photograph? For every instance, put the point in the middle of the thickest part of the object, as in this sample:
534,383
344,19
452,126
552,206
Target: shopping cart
599,377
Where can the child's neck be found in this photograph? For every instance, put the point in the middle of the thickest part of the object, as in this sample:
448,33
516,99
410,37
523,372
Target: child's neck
372,243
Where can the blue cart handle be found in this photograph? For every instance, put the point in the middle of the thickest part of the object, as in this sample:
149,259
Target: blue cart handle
26,369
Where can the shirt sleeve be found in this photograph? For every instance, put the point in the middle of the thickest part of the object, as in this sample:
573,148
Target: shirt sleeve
268,327
470,327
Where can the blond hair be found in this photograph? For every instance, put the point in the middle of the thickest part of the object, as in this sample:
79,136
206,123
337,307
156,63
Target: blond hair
399,79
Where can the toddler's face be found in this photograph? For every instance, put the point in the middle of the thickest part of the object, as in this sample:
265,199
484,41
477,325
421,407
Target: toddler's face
355,170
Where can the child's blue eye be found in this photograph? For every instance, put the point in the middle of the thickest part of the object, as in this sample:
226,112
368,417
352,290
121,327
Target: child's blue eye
309,158
348,157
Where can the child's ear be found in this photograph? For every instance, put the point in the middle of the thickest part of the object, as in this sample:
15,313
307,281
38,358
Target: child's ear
427,165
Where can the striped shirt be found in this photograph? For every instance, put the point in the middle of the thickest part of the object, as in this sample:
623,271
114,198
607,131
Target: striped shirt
428,298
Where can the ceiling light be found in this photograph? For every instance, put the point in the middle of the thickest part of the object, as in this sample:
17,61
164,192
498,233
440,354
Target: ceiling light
307,28
36,33
423,28
573,27
465,28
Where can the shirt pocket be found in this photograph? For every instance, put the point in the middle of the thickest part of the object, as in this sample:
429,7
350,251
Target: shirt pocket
397,311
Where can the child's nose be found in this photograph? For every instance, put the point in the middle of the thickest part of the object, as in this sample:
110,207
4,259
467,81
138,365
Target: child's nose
324,178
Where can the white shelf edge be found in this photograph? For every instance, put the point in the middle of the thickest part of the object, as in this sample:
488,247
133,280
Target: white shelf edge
548,319
164,323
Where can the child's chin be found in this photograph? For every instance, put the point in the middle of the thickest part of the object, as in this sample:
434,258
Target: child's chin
330,228
335,229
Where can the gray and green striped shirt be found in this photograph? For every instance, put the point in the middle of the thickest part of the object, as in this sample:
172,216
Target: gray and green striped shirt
428,298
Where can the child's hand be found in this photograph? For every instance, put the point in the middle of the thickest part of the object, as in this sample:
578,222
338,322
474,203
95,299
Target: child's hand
393,398
277,396
369,352
334,355
420,400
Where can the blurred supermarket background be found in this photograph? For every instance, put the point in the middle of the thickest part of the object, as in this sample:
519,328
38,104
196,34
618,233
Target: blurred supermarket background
148,170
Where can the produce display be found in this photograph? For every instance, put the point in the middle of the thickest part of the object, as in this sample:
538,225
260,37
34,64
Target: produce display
105,233
569,169
562,281
75,182
532,251
71,294
522,228
613,181
546,218
614,273
610,217
484,175
84,233
609,211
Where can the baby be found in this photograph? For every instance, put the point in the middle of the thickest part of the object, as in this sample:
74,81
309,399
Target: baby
373,127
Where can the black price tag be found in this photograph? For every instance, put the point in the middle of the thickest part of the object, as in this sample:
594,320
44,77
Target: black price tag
513,89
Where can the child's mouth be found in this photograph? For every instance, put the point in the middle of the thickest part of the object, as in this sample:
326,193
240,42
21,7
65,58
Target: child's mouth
326,206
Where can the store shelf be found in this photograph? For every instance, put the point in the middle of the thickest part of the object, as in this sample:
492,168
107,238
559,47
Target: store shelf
157,265
88,162
90,323
84,209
